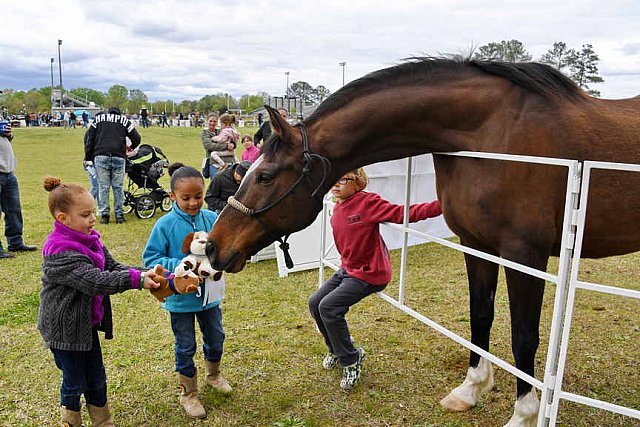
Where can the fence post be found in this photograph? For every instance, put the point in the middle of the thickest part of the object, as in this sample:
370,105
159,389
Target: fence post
574,178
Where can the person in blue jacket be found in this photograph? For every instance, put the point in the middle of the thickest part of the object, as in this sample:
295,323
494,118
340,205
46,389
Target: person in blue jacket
164,247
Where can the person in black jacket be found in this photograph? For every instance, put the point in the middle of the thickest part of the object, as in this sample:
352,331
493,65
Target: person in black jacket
144,117
224,184
105,147
265,129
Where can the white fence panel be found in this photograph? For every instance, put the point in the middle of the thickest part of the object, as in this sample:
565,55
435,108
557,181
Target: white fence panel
565,279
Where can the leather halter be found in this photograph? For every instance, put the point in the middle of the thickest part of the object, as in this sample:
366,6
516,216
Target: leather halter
307,167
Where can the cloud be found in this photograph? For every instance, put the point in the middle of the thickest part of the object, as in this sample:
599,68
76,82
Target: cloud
631,49
188,49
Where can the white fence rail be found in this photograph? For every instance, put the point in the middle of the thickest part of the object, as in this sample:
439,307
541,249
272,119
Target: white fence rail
566,279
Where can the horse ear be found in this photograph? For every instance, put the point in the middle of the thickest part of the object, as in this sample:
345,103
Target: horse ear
279,125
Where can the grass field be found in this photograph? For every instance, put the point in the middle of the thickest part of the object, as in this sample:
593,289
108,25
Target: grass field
272,351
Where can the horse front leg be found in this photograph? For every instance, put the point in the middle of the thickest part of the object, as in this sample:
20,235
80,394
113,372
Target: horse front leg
525,302
483,278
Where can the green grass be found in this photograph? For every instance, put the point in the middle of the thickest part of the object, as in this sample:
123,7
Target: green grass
272,351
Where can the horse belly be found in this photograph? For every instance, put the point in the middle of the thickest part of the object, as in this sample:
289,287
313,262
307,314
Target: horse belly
495,206
613,214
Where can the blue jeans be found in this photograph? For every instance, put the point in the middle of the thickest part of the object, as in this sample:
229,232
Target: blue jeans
110,174
93,181
82,373
329,305
213,170
184,331
10,206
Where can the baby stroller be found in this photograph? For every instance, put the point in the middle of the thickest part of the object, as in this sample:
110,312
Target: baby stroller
143,194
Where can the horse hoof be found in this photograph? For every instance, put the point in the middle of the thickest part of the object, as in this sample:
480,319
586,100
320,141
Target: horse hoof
453,404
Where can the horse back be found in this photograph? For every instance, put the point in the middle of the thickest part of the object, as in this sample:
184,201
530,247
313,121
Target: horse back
493,204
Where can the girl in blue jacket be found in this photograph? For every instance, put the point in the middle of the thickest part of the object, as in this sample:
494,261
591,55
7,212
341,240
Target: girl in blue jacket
165,247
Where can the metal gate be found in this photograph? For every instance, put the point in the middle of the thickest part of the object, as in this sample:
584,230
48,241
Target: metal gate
566,279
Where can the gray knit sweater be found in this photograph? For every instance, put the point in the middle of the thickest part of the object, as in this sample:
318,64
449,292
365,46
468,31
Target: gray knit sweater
69,282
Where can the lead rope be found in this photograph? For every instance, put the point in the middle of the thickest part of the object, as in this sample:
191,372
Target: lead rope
284,246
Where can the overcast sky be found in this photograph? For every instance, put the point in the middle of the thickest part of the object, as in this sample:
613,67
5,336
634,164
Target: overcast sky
187,49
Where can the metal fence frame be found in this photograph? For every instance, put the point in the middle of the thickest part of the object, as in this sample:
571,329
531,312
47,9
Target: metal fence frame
576,196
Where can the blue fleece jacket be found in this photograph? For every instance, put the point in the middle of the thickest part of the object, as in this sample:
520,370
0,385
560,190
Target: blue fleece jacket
164,247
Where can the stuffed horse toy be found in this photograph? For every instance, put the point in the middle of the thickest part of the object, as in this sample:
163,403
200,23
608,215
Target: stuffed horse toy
171,284
196,264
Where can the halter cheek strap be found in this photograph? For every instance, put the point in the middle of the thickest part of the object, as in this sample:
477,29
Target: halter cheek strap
308,158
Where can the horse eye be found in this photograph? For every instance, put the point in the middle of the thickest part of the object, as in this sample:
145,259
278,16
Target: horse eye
264,178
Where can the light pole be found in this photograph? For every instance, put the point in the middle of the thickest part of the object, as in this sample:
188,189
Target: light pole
60,62
52,82
342,64
286,92
60,70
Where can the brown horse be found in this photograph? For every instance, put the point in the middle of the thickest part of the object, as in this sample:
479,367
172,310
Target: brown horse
509,209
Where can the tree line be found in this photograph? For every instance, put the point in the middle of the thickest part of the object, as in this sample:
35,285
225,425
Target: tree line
581,65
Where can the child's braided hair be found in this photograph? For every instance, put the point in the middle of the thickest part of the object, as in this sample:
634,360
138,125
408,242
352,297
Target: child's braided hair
179,171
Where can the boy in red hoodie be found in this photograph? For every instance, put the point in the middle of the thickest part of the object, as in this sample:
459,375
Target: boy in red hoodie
365,268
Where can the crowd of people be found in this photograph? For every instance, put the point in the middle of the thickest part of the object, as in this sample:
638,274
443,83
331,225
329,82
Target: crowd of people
80,274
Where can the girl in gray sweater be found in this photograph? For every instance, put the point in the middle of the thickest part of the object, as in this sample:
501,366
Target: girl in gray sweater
78,275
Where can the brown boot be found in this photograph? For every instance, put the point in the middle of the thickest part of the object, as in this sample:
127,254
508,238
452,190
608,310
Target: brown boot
189,397
215,378
100,416
70,418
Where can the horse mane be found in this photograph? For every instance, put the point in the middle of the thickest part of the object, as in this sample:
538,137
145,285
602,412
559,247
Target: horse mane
540,79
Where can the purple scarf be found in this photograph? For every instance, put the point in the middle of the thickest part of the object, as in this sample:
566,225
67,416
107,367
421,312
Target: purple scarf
63,239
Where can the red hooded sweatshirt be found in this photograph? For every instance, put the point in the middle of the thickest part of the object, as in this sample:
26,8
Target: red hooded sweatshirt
356,231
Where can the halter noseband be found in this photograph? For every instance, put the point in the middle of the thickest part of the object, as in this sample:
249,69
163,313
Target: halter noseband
307,167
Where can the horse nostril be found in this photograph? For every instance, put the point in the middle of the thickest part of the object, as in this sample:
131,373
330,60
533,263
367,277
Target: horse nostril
211,250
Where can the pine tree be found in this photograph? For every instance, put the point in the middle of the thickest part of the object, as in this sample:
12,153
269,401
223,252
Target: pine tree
584,69
508,51
559,56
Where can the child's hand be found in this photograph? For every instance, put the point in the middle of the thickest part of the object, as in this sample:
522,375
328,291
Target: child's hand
149,283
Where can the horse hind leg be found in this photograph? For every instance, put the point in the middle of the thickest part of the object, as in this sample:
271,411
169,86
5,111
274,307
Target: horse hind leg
483,279
525,301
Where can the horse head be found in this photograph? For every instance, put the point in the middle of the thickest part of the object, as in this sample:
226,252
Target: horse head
281,193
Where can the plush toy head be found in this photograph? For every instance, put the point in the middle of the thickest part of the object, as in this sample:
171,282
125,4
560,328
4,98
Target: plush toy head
171,284
195,243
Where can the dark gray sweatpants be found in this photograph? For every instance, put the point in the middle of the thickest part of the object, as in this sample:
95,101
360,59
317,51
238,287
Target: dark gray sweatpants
328,306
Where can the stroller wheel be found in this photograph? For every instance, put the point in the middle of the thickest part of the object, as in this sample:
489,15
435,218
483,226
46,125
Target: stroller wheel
129,202
166,203
145,206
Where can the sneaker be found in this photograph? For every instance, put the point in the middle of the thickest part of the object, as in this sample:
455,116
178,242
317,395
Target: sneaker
329,361
104,219
351,373
120,220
